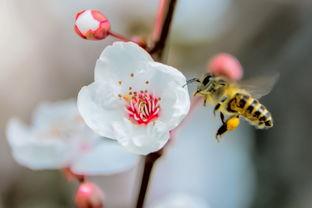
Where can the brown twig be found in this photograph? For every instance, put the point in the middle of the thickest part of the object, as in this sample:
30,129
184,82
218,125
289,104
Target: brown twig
160,35
150,160
162,27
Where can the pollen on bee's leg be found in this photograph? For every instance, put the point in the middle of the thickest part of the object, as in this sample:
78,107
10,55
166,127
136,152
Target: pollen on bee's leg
232,123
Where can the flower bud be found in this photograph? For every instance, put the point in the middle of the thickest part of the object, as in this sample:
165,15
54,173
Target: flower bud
91,25
89,195
226,65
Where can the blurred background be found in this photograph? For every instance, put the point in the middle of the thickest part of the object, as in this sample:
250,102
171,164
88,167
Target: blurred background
43,60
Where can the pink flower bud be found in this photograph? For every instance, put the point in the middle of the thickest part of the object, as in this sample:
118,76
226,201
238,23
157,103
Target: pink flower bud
226,65
91,25
89,195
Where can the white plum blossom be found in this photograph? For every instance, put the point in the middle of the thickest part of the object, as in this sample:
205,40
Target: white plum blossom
134,99
58,138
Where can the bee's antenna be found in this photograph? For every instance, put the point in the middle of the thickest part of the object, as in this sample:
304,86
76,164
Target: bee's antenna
191,81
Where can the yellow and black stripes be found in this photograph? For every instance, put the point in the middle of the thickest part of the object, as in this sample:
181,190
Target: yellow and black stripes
251,109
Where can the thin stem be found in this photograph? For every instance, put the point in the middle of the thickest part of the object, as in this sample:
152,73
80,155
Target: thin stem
118,36
161,31
141,42
148,167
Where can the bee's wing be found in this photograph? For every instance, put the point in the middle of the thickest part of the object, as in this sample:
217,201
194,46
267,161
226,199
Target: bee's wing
259,86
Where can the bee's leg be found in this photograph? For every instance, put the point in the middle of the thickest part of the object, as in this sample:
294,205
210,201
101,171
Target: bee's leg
229,125
197,91
221,131
222,117
216,108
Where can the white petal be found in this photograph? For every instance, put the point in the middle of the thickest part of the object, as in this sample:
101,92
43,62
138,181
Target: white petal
106,158
174,107
168,84
141,139
37,154
119,61
166,74
100,107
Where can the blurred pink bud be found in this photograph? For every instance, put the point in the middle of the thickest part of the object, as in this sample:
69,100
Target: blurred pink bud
226,65
89,195
91,25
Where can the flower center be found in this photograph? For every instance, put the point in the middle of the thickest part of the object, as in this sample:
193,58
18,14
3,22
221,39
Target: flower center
143,107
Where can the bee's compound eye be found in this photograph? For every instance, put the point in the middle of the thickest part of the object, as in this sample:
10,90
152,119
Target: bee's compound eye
206,79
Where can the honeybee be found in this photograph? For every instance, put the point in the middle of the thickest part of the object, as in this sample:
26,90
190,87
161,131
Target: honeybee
236,100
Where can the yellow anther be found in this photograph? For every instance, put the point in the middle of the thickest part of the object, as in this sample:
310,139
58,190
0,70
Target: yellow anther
232,123
127,98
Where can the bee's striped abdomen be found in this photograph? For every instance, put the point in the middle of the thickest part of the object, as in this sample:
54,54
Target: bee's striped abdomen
252,110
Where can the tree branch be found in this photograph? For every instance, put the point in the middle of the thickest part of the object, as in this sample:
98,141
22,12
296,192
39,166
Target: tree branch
160,36
162,27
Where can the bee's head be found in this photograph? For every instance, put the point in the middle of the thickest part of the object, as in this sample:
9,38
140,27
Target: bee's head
206,80
204,83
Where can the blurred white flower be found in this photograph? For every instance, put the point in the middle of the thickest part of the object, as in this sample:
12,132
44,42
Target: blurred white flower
59,138
180,200
133,99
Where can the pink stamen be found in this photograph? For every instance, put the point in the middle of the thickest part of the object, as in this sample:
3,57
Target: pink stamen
143,108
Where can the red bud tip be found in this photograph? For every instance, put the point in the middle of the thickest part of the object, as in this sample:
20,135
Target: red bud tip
226,65
91,25
89,195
